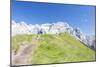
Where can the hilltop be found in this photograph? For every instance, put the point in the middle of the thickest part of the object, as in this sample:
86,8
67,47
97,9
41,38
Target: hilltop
54,48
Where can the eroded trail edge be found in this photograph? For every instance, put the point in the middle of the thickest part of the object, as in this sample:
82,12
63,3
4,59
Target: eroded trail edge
24,52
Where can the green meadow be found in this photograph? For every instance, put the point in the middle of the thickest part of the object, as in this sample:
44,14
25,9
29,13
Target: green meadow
53,48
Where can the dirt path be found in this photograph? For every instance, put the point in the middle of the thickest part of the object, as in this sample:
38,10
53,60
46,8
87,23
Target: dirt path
24,53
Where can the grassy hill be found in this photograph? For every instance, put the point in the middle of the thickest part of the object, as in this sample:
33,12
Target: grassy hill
55,48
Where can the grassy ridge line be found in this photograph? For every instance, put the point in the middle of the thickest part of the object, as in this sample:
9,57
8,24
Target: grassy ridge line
62,48
56,49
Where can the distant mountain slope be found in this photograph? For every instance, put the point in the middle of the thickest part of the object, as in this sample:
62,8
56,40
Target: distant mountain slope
53,28
57,48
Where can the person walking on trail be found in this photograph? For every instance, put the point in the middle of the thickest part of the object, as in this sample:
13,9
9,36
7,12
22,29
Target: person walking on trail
39,34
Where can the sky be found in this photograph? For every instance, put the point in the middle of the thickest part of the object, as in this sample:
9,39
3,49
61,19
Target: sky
40,13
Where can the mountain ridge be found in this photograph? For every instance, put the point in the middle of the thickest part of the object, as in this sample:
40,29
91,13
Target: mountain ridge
53,28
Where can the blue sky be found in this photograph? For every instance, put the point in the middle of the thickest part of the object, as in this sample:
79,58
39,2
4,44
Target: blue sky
39,13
